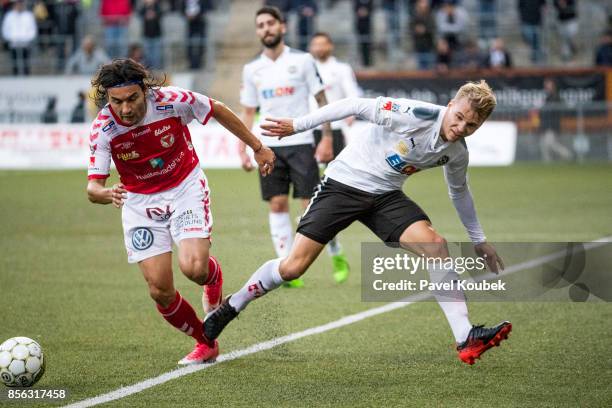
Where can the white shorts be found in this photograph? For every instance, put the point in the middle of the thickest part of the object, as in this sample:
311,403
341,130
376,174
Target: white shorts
151,222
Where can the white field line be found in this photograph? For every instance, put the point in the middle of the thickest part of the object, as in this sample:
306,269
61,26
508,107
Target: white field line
266,345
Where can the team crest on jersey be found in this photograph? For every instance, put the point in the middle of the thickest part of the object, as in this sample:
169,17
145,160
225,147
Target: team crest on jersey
108,126
391,106
292,69
402,148
128,156
400,165
442,161
167,140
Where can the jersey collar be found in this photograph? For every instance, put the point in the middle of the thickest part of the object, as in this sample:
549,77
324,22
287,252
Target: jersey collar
286,50
436,141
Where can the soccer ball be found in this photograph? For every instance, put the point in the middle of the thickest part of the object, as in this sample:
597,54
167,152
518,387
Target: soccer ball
21,362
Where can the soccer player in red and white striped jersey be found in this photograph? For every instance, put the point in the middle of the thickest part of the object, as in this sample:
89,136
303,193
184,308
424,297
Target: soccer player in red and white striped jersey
163,193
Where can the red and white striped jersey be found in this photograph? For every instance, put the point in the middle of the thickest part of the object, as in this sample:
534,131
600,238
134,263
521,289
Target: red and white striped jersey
155,154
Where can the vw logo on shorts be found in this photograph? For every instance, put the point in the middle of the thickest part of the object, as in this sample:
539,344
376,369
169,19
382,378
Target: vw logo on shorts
142,238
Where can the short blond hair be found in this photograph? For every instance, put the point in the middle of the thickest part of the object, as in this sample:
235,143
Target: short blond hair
480,96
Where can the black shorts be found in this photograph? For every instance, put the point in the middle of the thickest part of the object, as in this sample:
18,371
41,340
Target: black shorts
334,206
294,165
338,142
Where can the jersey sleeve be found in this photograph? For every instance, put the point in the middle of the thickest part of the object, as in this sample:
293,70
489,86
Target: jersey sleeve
190,105
99,149
349,82
361,107
311,75
248,90
401,115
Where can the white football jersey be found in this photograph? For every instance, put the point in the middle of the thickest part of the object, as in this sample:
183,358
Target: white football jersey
339,82
404,138
281,88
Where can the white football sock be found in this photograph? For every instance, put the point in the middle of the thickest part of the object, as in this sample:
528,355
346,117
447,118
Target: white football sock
265,279
282,233
452,303
333,247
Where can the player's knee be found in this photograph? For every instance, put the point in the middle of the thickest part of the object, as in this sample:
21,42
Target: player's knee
292,268
162,296
437,246
195,267
279,204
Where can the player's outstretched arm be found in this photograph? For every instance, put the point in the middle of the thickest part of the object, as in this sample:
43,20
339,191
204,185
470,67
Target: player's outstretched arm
98,193
281,127
264,156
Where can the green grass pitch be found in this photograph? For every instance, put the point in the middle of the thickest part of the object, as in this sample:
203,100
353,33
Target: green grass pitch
65,282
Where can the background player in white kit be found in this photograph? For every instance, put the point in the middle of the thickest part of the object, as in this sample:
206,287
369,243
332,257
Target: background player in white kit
163,192
339,82
280,82
364,183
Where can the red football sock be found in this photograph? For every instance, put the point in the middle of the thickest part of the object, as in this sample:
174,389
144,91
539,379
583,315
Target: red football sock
181,315
214,267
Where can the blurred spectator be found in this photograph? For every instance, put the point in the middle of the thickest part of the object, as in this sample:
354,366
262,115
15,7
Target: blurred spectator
550,124
78,112
42,14
136,53
423,30
115,16
195,12
487,20
452,23
19,31
392,18
499,56
363,25
567,13
306,12
65,15
152,33
603,53
87,59
50,114
444,55
470,57
530,12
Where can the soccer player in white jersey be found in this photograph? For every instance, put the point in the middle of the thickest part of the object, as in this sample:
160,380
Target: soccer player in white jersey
163,193
365,183
339,82
280,82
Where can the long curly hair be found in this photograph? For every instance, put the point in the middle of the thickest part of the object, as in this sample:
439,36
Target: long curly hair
122,71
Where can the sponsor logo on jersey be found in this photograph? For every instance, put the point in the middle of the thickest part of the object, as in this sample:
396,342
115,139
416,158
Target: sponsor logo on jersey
400,165
128,155
442,161
159,214
142,238
164,107
277,92
141,133
391,106
92,161
162,130
92,149
157,163
167,140
125,145
108,126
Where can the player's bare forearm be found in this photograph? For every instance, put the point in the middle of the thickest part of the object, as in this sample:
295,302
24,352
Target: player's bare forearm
98,193
248,118
229,120
322,101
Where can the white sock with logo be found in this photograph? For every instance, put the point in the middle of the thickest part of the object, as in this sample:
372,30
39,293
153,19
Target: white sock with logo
452,303
282,233
265,279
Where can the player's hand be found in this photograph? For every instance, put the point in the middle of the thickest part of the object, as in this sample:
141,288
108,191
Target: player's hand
325,151
245,161
278,127
488,252
118,194
265,158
